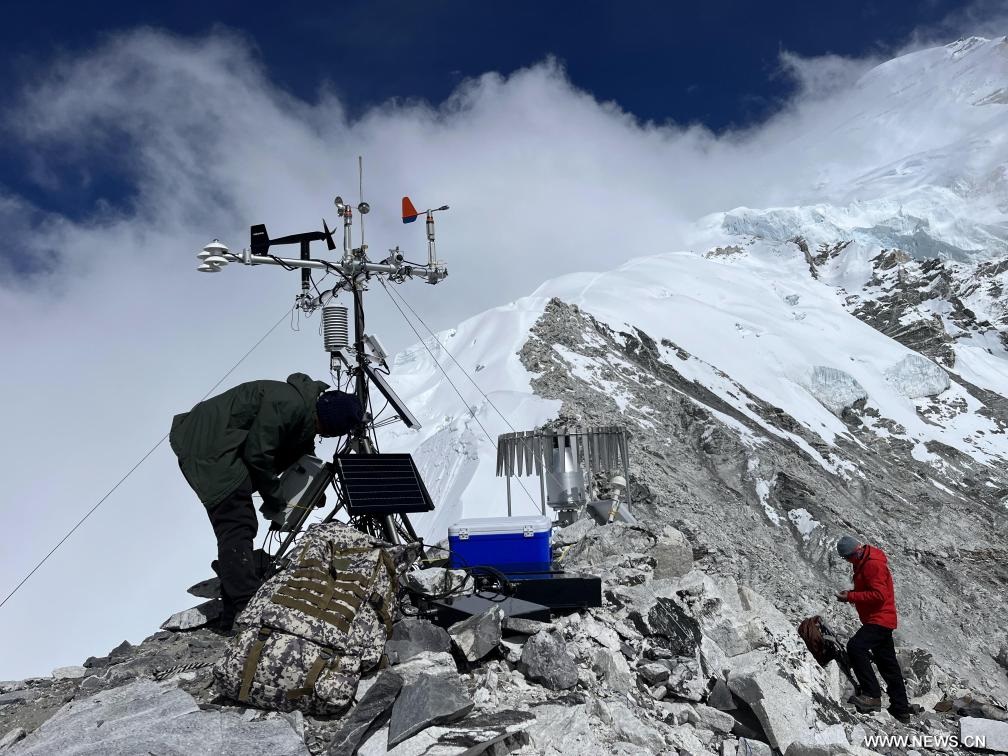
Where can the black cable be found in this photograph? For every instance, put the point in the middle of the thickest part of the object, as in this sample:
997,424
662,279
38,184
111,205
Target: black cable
132,469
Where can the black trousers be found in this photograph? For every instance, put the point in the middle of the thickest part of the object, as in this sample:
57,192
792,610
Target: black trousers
235,524
875,643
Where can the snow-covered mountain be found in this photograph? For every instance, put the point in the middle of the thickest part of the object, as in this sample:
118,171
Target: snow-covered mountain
795,374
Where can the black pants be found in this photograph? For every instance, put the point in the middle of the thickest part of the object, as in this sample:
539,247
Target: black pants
875,643
235,524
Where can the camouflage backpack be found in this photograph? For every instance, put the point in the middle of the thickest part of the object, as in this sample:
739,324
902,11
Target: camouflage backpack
311,630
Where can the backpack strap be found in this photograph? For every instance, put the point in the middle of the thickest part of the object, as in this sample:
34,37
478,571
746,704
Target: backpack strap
251,662
325,659
385,609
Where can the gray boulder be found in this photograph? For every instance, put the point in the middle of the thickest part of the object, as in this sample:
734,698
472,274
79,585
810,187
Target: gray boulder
673,554
12,737
147,717
378,700
993,733
612,667
197,616
429,700
613,540
415,636
477,636
545,660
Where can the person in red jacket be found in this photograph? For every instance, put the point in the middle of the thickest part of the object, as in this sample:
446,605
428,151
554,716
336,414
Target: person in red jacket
875,600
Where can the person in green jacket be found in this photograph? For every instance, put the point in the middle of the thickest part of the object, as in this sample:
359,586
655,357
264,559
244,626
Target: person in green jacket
240,441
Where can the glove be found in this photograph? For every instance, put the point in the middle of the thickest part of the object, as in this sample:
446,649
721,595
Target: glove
270,513
841,596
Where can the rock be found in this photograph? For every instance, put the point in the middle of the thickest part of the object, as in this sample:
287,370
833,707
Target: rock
296,720
545,660
435,581
600,633
653,673
713,719
147,717
12,737
604,541
573,533
25,695
685,741
69,673
750,747
678,713
994,734
627,726
121,653
720,697
207,589
427,663
415,636
685,680
1002,655
477,636
190,619
918,670
373,706
430,699
673,554
664,617
512,647
563,729
498,733
524,626
613,669
784,712
831,749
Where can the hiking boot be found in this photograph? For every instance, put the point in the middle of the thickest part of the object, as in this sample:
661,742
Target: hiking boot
904,715
866,704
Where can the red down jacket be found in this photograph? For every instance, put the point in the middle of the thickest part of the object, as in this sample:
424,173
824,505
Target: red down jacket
873,595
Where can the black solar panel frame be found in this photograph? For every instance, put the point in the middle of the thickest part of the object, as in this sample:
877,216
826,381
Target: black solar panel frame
382,484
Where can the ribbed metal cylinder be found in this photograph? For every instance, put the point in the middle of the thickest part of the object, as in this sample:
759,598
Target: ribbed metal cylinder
335,332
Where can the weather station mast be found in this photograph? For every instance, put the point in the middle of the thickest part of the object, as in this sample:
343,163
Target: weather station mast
377,490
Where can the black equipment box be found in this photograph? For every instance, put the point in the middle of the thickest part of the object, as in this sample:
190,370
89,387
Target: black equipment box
552,587
452,610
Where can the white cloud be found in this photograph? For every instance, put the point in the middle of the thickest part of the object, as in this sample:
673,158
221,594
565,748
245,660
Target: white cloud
117,332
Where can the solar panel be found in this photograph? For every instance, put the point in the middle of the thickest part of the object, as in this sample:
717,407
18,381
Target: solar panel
382,484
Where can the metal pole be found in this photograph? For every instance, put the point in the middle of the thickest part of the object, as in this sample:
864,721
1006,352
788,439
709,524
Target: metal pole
508,479
542,490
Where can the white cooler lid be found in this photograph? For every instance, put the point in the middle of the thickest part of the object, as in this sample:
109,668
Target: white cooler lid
501,525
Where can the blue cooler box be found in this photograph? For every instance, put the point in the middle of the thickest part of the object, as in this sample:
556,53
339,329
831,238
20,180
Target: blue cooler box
500,541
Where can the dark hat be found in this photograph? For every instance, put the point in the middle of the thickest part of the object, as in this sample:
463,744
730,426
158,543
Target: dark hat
846,546
338,413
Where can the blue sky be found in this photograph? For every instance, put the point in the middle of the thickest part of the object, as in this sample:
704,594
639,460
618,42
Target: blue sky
716,63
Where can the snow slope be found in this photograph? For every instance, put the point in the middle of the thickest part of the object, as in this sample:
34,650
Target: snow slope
768,299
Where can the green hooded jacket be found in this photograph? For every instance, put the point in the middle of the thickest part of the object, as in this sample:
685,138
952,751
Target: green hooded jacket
256,429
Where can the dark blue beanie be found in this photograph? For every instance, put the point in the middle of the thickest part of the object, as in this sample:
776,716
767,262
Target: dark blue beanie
338,413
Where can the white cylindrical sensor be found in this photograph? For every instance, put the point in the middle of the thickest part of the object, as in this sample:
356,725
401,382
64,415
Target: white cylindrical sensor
335,332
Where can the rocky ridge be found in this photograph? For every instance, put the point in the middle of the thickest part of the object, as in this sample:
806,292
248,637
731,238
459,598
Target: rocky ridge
676,661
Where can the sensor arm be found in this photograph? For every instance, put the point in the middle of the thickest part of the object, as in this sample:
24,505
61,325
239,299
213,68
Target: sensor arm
348,267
